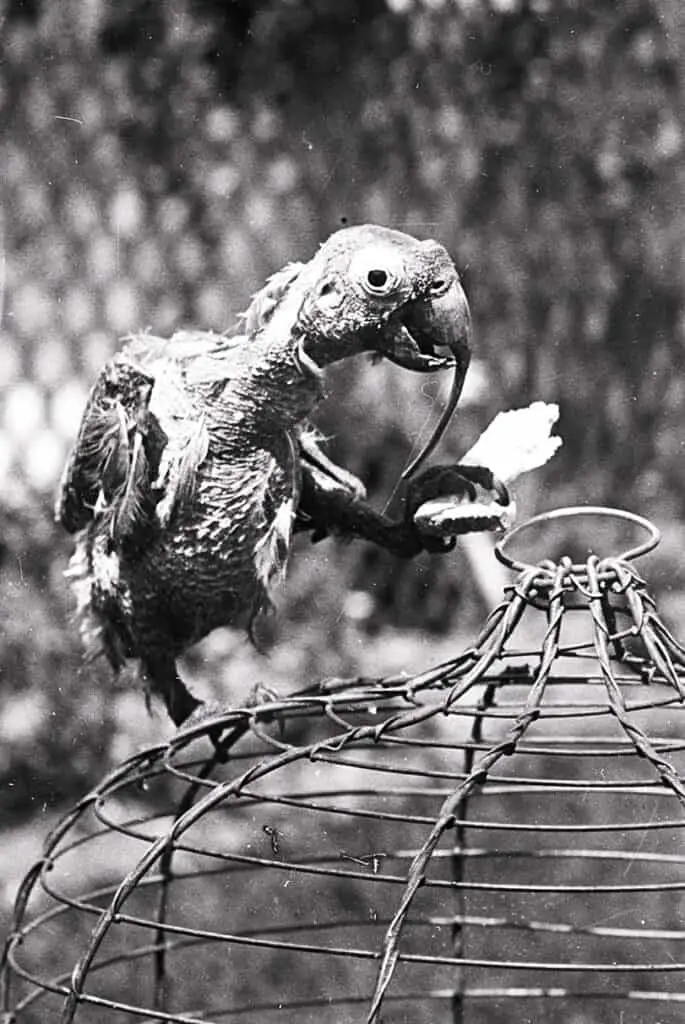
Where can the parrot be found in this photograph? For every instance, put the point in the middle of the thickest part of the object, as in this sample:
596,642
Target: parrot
195,462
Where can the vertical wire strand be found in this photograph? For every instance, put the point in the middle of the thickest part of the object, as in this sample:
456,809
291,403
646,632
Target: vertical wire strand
458,861
638,738
507,746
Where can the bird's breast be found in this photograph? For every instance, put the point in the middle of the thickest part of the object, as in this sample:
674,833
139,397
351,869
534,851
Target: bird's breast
218,560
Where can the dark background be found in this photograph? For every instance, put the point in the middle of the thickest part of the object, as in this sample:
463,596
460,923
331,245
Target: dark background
159,160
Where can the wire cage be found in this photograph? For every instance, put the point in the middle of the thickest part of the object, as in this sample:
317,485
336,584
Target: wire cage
498,838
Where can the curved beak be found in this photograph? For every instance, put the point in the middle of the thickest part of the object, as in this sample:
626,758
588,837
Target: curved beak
431,333
434,333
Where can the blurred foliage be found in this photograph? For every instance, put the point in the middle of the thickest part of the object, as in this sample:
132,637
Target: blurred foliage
54,725
159,160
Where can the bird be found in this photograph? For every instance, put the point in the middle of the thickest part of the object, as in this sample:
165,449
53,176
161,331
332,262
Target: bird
195,461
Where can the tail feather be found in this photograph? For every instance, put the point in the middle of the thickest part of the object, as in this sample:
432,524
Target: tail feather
98,613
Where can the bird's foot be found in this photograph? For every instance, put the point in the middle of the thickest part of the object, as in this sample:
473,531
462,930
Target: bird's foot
261,694
205,711
446,501
223,723
457,481
220,723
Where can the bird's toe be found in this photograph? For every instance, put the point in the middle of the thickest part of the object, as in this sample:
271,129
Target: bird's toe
220,723
262,694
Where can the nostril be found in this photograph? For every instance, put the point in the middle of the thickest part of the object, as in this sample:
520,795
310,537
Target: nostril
438,286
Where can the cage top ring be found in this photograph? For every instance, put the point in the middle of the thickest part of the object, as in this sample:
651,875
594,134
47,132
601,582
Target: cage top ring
503,550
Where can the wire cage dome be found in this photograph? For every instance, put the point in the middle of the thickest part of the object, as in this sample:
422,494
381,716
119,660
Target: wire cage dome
498,838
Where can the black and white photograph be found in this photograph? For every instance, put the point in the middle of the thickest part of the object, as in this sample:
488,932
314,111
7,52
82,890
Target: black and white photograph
342,512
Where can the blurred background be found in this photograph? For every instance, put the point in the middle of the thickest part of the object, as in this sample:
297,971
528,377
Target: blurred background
159,160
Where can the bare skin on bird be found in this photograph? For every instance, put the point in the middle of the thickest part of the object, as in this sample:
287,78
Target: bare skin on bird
194,463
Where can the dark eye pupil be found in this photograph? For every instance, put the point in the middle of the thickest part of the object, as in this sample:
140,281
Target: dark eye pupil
377,278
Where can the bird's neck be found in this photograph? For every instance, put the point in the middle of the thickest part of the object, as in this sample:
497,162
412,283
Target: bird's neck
278,388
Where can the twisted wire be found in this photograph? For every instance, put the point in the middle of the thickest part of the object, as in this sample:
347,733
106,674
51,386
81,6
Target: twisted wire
353,787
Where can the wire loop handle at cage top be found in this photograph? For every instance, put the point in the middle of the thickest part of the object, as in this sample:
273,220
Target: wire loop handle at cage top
576,512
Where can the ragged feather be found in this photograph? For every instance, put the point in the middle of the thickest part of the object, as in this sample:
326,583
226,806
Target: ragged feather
178,474
131,507
265,302
99,462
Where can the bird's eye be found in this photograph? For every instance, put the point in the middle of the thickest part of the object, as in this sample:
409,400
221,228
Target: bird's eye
378,270
377,279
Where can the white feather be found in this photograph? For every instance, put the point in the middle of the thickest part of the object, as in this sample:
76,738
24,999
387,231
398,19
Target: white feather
271,552
516,441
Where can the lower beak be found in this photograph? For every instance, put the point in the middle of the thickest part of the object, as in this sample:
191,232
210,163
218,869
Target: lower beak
432,333
435,334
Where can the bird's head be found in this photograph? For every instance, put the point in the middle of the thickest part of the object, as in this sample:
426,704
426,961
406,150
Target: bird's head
370,288
367,289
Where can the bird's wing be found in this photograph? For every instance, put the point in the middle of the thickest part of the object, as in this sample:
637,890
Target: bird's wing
109,462
180,412
177,406
190,370
141,441
162,384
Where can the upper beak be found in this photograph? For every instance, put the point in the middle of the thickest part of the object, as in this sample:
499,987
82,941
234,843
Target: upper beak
431,333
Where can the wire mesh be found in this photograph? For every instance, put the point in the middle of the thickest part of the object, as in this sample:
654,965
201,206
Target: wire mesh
498,836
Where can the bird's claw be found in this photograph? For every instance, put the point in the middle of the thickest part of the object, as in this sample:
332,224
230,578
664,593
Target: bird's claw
486,479
446,501
456,481
210,719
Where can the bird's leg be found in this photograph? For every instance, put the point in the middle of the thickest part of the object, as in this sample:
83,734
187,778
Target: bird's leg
314,458
188,712
164,680
340,513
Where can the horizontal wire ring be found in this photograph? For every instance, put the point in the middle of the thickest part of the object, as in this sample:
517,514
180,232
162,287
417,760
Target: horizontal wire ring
576,511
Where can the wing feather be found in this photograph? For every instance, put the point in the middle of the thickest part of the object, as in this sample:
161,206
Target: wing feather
178,473
176,405
190,460
131,506
99,460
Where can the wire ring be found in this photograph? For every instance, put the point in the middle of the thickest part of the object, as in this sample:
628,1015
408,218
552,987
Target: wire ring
646,546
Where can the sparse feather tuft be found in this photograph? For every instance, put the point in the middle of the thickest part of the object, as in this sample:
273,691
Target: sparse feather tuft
95,630
265,301
271,552
178,474
192,457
